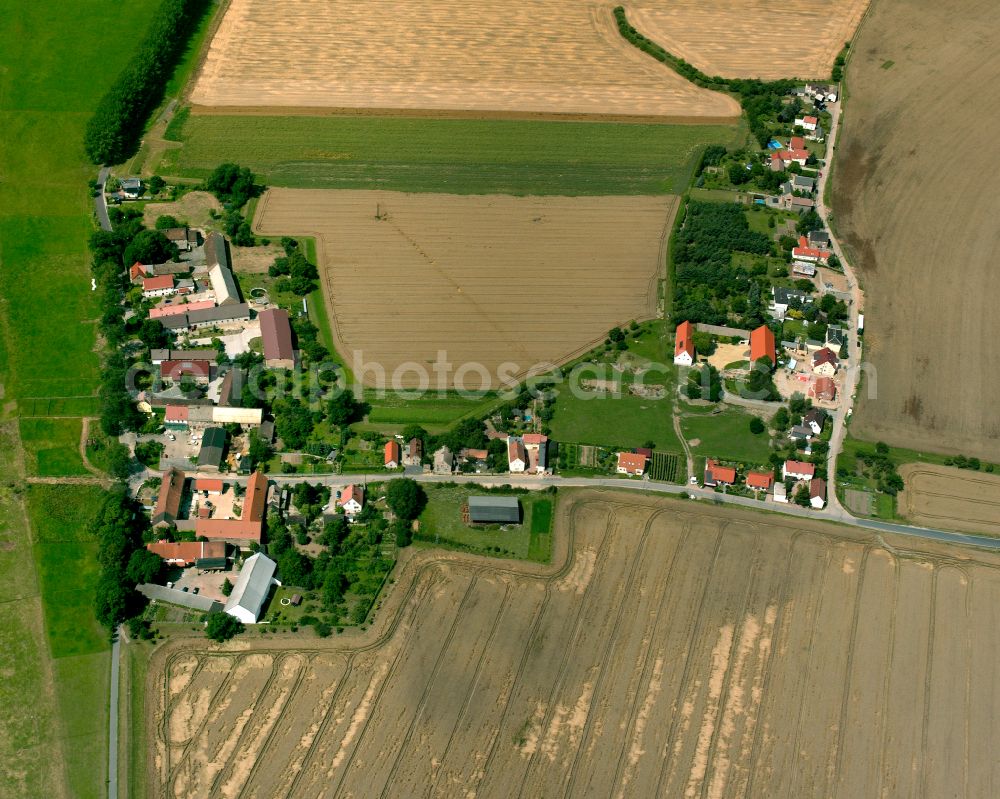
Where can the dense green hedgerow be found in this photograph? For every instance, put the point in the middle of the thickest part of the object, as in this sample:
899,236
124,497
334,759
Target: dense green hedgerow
113,133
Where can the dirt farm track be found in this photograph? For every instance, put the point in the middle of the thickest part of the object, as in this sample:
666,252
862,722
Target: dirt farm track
489,280
674,649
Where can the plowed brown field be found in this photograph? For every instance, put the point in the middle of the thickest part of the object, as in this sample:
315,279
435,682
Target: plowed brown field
751,38
543,57
675,650
488,280
950,498
911,204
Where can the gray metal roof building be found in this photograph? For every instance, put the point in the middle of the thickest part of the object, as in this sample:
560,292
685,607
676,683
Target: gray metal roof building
213,442
177,597
251,589
494,510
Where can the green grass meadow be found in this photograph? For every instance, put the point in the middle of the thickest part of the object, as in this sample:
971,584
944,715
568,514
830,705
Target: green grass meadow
457,156
441,525
55,63
727,436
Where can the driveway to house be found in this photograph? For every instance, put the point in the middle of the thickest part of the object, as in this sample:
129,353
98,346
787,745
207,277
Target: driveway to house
852,371
100,203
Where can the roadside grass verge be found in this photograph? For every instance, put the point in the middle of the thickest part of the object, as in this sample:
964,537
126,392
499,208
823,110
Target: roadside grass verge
457,156
441,525
727,436
52,447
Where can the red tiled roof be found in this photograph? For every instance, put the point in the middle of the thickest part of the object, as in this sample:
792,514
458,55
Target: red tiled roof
176,412
817,488
137,269
800,467
759,480
158,282
796,143
178,369
721,474
187,551
208,484
392,452
534,438
250,525
823,388
825,355
810,120
174,308
516,452
684,340
762,345
632,461
276,333
168,501
354,492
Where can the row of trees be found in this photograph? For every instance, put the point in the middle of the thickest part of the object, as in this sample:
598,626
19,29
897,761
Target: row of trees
761,101
113,133
124,561
298,275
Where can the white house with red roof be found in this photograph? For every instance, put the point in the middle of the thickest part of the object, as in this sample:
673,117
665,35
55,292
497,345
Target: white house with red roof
817,493
825,362
536,448
806,253
807,123
517,456
633,463
798,470
684,351
159,286
393,454
352,500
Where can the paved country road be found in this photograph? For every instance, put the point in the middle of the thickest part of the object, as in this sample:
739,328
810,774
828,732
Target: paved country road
830,514
100,203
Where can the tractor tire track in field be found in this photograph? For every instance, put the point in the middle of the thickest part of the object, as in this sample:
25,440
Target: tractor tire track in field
754,646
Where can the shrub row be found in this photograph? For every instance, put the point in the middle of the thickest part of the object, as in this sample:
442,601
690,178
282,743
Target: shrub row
759,99
113,133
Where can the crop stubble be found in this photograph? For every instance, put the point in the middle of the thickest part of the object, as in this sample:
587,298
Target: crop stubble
909,200
673,651
488,280
549,57
751,38
950,498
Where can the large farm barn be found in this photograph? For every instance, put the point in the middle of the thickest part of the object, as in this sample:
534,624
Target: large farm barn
672,651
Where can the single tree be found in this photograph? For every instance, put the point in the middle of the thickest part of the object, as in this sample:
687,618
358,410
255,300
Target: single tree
227,587
144,566
221,626
405,498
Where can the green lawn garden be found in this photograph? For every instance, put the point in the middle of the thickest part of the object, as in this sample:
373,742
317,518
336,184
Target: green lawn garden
726,436
441,525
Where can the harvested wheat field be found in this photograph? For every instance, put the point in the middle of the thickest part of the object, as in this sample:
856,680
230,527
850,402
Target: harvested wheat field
499,284
910,204
950,499
549,57
674,650
751,38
